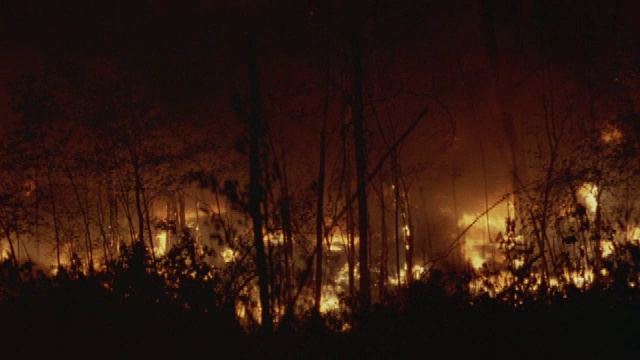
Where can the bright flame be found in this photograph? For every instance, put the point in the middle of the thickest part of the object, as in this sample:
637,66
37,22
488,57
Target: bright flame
335,247
477,248
588,193
418,272
160,246
407,232
634,234
606,247
228,255
329,301
581,279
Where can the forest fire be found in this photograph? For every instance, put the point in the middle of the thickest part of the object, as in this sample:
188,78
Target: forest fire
588,194
611,135
480,241
329,178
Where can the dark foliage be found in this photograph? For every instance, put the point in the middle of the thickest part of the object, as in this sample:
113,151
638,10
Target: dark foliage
129,311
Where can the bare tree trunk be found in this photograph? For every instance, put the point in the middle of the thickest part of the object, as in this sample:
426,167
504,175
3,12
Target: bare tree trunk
350,223
182,215
351,246
55,215
256,128
101,221
148,219
85,217
124,198
37,216
408,231
384,248
348,210
288,244
320,203
7,233
114,223
321,174
361,164
454,174
396,193
138,197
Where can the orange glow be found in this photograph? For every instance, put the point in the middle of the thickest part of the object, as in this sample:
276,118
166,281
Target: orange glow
160,245
477,248
228,255
610,134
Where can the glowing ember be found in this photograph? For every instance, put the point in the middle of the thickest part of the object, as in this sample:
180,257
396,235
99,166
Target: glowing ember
610,134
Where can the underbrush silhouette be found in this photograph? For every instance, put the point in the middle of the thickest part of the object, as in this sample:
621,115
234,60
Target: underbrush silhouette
175,305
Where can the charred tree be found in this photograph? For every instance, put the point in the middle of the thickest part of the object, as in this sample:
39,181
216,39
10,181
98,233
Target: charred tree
384,247
320,214
320,202
55,214
351,230
408,229
396,217
361,162
256,130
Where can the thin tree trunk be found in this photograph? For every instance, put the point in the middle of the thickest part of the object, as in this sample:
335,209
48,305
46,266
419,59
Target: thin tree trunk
408,230
37,217
321,175
255,188
55,215
288,244
287,228
85,218
361,165
320,203
351,246
148,220
124,198
138,198
384,249
7,234
101,220
396,194
351,231
349,212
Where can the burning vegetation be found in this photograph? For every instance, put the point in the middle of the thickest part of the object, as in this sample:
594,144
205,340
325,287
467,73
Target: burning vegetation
354,200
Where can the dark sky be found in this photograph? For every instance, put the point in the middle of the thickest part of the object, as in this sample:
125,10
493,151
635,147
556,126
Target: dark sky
196,48
192,57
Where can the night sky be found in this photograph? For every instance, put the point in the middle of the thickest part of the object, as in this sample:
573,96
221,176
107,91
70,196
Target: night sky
191,57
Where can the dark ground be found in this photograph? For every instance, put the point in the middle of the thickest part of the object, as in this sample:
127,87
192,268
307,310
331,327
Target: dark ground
78,319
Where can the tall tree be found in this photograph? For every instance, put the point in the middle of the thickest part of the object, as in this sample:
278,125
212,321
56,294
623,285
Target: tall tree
361,162
256,130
